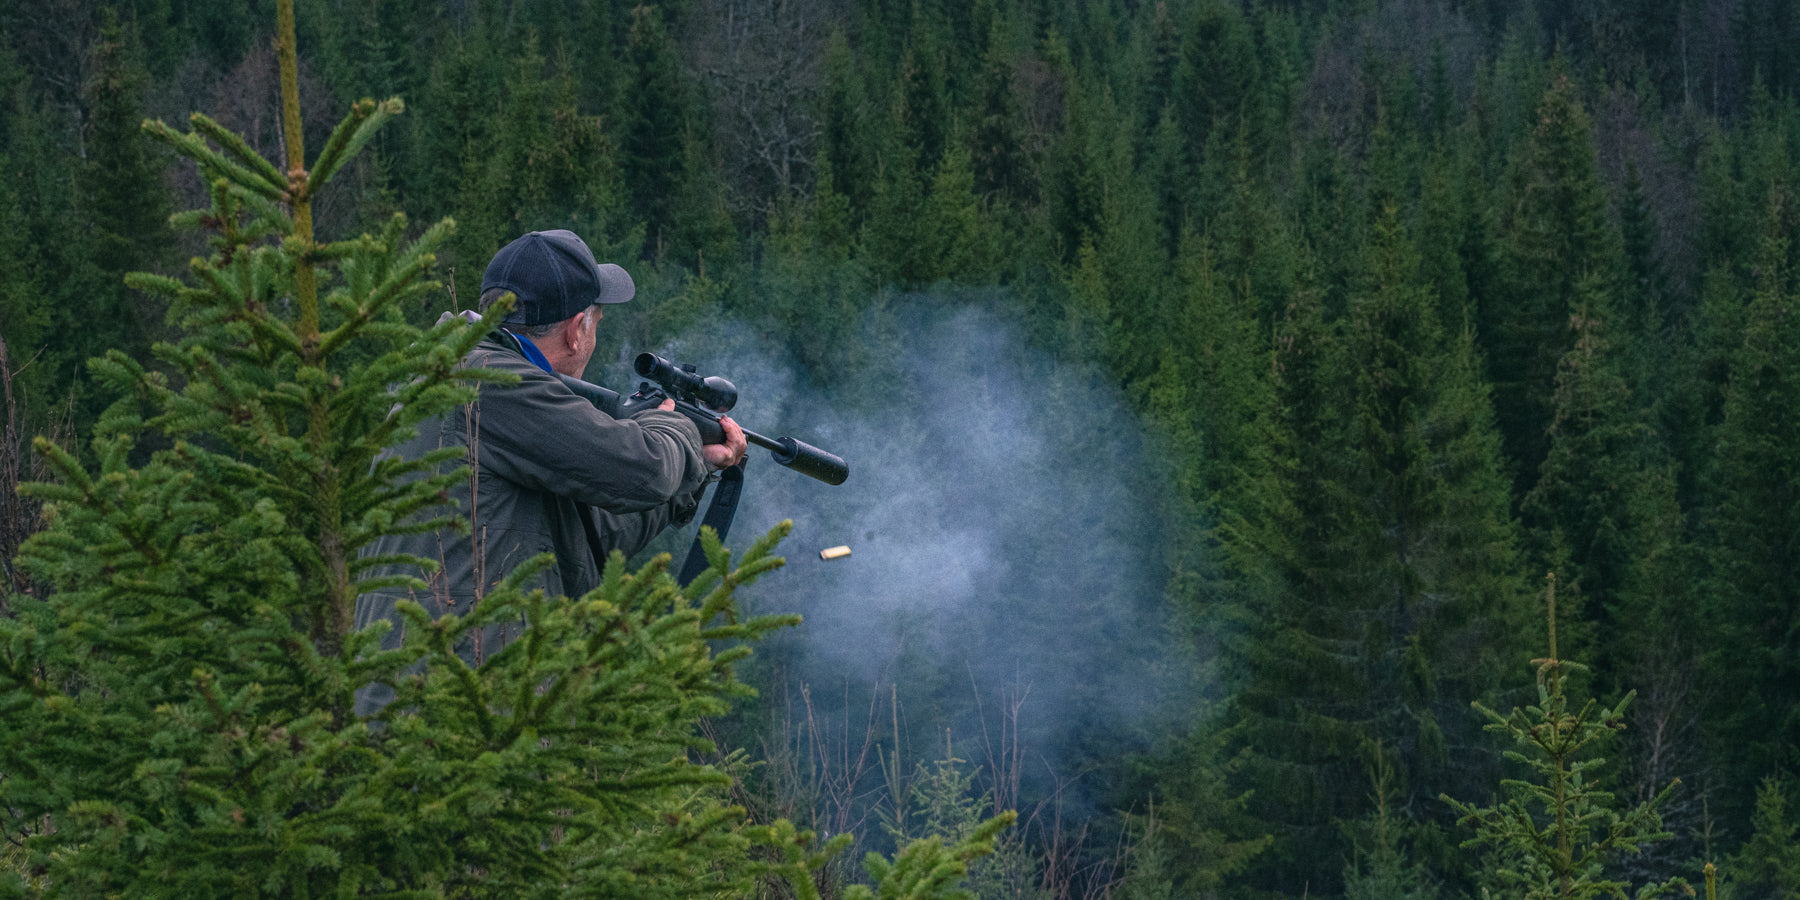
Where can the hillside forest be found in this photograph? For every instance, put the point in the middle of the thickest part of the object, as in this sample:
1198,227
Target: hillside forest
1228,385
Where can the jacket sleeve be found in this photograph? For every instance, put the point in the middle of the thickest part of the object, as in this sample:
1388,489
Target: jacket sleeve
541,436
630,533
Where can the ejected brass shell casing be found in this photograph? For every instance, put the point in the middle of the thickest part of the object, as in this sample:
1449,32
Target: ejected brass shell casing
834,552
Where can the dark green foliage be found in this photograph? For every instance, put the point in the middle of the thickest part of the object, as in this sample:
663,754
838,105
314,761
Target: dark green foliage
1752,520
958,240
1380,869
79,208
1769,863
1196,836
999,162
654,126
541,165
1383,586
1645,290
921,119
1584,505
120,177
1218,74
846,143
22,304
1207,389
1309,239
1560,258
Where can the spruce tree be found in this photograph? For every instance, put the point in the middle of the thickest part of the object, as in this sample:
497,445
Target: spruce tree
1072,189
1217,76
1752,523
1208,386
1257,249
1645,291
1162,54
1379,561
1132,263
846,145
1196,837
1581,511
651,147
1557,834
452,133
1449,225
53,279
24,314
1380,868
541,165
890,239
961,243
1768,865
1165,167
121,174
1561,256
922,118
998,160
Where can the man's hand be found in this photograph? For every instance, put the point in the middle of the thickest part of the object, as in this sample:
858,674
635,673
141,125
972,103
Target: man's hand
730,453
720,456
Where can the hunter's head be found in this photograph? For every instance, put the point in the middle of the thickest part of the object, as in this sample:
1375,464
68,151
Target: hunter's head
560,290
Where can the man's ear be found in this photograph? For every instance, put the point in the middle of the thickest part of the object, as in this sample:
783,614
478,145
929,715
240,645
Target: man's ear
571,331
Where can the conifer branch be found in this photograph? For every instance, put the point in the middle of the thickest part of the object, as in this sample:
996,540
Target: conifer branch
240,150
392,289
191,145
366,117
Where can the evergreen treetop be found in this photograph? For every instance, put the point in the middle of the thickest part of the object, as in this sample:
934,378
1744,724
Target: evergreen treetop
1558,835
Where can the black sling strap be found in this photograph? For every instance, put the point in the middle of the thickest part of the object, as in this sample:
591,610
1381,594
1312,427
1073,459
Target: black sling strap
718,515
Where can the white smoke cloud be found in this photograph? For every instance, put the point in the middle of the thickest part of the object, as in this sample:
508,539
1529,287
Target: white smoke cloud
1000,510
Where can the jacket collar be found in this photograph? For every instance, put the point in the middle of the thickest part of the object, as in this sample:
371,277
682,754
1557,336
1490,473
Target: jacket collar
531,351
523,346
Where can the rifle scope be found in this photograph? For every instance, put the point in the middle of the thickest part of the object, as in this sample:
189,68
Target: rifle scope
680,381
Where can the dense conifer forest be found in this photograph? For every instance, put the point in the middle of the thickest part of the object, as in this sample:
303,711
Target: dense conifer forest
1281,350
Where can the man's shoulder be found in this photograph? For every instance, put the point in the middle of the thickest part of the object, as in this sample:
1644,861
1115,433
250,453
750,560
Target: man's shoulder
492,352
534,385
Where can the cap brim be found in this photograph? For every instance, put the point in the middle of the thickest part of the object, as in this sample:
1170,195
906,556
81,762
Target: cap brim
615,284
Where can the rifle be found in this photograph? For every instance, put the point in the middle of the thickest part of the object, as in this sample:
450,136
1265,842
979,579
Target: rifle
703,400
690,391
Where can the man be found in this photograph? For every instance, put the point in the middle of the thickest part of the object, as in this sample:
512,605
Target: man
550,472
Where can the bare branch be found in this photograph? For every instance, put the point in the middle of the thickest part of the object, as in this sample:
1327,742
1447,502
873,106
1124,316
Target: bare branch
761,62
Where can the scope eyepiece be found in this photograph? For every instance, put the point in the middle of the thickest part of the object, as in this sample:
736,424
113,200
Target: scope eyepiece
712,391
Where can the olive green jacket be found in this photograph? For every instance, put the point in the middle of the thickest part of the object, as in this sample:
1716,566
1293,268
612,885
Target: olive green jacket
541,459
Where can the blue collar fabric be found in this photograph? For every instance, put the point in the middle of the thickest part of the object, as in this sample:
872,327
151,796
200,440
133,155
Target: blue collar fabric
532,352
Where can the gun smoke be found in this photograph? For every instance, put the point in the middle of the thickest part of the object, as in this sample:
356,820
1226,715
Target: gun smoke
1001,513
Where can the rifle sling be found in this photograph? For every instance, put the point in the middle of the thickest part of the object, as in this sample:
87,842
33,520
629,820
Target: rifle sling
718,515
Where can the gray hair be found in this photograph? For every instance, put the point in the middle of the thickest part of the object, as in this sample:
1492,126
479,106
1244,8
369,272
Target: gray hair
489,296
